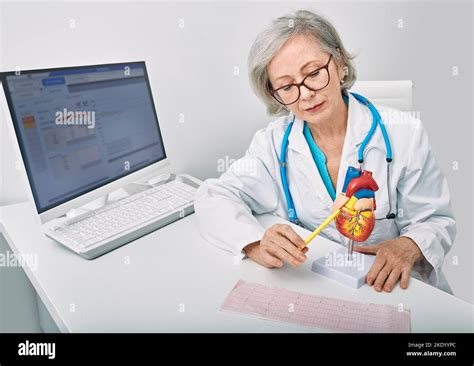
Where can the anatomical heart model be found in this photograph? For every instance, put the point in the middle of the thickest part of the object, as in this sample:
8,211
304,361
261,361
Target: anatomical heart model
353,213
356,205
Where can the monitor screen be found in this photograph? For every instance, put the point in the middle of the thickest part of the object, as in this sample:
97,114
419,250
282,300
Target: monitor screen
80,128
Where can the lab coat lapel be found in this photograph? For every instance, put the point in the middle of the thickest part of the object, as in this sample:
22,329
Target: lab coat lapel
305,162
359,121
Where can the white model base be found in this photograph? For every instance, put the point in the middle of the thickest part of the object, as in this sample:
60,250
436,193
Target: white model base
337,266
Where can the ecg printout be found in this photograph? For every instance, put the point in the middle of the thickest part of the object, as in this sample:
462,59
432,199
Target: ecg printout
315,311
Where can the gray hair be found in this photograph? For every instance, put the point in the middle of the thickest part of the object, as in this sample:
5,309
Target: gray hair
269,42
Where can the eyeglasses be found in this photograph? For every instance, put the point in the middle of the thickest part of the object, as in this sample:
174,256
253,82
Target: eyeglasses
315,80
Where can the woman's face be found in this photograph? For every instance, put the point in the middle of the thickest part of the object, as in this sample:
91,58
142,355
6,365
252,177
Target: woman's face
296,59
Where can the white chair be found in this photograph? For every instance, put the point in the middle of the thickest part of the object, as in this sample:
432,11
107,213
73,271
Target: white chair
396,94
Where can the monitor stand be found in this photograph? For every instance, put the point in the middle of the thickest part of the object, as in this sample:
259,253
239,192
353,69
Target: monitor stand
338,266
93,205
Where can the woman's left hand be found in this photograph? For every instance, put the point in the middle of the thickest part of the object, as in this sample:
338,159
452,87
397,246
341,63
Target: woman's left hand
394,259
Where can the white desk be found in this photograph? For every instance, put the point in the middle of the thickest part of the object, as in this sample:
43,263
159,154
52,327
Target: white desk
175,267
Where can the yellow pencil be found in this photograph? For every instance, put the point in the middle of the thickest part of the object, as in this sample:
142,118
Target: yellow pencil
349,204
321,227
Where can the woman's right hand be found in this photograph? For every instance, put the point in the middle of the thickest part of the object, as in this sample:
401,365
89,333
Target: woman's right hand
279,243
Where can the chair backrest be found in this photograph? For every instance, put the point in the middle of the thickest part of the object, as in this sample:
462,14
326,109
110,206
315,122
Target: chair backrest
397,93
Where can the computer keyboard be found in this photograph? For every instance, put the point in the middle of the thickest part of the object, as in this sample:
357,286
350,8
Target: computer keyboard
123,221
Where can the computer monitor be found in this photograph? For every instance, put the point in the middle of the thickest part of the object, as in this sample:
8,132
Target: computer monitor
83,131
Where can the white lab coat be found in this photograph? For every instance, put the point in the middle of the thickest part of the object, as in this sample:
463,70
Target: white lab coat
419,191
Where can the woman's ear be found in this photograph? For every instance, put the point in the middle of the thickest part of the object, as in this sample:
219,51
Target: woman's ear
341,70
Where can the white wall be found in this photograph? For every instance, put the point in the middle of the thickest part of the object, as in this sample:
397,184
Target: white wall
192,73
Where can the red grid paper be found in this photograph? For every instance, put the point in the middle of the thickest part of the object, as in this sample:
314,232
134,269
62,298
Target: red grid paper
315,311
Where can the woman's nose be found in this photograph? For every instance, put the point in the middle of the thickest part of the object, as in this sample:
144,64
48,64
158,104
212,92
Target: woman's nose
306,93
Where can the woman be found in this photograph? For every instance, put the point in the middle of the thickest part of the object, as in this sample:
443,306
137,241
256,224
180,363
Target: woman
300,69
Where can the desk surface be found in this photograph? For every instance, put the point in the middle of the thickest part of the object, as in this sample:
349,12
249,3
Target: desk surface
172,280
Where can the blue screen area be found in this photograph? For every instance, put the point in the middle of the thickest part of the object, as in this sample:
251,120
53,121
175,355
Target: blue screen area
81,128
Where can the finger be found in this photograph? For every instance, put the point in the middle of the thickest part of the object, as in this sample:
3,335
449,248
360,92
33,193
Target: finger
270,261
340,201
282,254
381,278
405,278
291,249
305,250
375,269
364,204
288,232
392,279
366,249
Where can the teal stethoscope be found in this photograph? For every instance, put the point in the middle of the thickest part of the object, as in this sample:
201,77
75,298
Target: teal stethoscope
376,121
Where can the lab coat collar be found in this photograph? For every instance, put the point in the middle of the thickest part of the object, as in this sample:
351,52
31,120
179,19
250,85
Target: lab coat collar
358,125
359,121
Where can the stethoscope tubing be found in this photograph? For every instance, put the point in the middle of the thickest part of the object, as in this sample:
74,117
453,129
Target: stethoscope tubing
376,122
